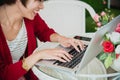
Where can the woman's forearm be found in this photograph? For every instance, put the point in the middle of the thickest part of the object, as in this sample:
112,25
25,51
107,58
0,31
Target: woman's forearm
55,37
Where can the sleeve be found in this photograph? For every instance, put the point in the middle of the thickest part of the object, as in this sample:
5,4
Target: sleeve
8,70
11,71
42,31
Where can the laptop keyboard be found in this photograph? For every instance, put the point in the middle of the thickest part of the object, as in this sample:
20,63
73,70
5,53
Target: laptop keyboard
77,56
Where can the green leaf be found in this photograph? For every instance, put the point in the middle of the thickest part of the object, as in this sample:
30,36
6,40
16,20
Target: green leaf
105,36
103,56
104,22
105,18
108,61
113,55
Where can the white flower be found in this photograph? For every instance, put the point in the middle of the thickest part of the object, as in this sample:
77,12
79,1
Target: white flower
116,64
115,37
117,49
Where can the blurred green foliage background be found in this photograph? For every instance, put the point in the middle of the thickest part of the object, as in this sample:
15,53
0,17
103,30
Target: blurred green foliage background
98,7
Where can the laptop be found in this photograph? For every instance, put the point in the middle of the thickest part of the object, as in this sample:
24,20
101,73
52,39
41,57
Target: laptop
93,48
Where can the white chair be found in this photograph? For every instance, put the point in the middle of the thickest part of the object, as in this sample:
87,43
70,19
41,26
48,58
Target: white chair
67,17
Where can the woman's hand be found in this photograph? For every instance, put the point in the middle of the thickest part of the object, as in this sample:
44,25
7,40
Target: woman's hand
67,42
48,54
57,54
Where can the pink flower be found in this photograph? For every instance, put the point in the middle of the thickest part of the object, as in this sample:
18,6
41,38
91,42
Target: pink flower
103,13
96,18
99,24
104,2
118,28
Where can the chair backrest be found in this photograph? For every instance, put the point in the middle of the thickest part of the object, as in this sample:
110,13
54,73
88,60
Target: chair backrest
67,17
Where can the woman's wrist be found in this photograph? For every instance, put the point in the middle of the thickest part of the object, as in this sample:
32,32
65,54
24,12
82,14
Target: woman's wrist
30,61
55,37
25,65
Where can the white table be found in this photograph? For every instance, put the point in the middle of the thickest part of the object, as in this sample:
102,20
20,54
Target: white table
88,73
94,68
93,71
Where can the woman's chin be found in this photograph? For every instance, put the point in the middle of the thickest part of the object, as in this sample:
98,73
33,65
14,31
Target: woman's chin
31,17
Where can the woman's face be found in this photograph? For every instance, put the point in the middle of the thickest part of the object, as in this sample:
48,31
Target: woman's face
31,9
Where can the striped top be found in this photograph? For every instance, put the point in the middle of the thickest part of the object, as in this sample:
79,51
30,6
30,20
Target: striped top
18,45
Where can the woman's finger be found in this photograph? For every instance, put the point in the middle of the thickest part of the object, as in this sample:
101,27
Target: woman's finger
62,53
59,59
73,43
80,44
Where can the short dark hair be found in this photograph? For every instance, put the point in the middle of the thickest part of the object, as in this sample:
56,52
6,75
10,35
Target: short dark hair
24,2
10,2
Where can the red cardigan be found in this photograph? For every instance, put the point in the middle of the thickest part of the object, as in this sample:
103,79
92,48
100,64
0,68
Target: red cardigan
35,28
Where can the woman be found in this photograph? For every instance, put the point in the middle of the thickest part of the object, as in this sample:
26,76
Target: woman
20,24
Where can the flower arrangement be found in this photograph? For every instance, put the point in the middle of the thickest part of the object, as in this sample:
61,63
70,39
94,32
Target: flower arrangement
111,47
103,18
